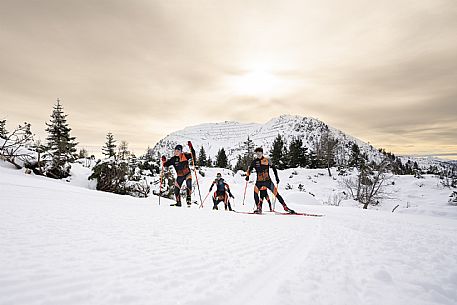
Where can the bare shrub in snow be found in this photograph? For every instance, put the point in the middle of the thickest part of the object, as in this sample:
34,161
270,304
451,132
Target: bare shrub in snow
369,187
13,145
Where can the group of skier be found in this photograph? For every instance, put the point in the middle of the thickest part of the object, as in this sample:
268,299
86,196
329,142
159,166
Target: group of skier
261,164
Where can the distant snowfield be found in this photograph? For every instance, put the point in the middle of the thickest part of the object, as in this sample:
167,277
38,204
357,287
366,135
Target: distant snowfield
62,243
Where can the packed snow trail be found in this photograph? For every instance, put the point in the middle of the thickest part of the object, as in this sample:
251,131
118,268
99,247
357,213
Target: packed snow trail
62,244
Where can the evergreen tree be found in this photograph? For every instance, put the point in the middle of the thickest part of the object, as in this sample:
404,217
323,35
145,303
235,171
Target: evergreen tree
355,159
327,149
109,150
239,164
61,146
278,153
202,160
248,147
123,151
313,160
297,155
83,154
221,159
209,162
3,131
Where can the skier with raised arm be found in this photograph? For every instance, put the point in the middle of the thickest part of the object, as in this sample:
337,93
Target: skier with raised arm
180,162
262,165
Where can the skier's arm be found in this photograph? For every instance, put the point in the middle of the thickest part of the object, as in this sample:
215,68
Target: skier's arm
227,187
167,163
212,184
248,172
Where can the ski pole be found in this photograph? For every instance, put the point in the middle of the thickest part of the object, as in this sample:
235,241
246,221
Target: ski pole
245,188
160,187
274,199
195,173
201,205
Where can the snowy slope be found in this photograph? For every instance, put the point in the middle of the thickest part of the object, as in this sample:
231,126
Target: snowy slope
231,135
66,244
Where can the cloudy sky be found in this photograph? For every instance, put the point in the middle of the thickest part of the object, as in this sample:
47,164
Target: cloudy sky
383,71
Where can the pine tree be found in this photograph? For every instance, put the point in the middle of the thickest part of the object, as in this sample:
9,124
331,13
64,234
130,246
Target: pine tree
248,147
327,149
3,131
221,159
313,160
109,150
355,159
202,161
278,153
61,146
297,156
123,151
209,162
239,164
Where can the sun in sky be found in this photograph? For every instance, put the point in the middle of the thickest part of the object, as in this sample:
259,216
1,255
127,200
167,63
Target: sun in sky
259,80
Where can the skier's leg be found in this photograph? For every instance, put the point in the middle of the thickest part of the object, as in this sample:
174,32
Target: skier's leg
189,189
178,183
274,189
256,196
215,203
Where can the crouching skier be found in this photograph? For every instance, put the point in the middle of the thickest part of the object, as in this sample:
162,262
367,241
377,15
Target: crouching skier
262,165
222,193
180,161
264,195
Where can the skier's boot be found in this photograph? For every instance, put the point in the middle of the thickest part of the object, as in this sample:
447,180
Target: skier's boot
258,211
288,210
215,207
189,201
177,204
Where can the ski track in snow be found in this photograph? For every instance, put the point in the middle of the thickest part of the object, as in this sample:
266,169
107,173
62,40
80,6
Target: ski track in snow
62,244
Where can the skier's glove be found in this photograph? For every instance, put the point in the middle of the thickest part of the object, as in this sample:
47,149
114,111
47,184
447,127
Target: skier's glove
164,159
277,180
190,144
231,196
247,178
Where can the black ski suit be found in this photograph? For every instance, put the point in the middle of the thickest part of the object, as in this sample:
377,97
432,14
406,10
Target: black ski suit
181,166
262,168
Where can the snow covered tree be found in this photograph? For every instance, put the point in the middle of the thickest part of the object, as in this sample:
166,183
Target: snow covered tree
123,150
61,145
109,150
313,160
83,154
221,159
369,187
239,164
13,147
278,152
248,147
209,162
356,159
327,149
202,157
3,131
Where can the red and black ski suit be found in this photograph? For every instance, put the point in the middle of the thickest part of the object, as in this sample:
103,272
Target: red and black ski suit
181,165
222,193
262,168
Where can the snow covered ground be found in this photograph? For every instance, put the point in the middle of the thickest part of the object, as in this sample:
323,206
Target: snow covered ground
62,243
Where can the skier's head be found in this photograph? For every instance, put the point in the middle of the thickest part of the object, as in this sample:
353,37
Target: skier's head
219,175
178,150
258,152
